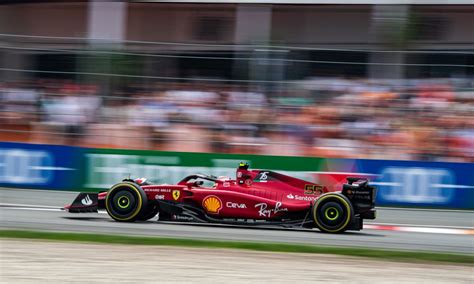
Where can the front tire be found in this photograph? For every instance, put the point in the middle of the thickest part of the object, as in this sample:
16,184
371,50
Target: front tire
332,213
126,202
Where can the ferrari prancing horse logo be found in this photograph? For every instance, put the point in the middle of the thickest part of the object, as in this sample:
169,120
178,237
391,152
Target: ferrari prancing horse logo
176,193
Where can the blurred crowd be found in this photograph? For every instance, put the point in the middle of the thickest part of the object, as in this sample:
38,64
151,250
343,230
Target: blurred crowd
429,120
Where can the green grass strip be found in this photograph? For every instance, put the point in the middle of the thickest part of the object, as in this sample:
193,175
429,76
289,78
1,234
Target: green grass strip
409,256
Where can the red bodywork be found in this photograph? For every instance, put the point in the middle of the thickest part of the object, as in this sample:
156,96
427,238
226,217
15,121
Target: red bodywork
254,194
254,197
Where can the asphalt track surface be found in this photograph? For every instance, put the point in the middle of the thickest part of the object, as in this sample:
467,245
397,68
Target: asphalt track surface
39,210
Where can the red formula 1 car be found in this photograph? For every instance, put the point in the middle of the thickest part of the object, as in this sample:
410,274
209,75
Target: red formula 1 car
255,197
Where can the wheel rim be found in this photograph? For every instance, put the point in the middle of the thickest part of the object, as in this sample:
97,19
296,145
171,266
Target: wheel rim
331,213
123,202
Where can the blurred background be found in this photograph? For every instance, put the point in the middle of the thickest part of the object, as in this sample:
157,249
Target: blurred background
354,81
388,85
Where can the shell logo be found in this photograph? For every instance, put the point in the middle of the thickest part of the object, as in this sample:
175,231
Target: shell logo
212,204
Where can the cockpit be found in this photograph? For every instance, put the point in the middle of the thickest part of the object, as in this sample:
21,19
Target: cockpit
200,180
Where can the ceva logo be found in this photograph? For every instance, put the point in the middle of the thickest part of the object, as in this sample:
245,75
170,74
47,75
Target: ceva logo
235,205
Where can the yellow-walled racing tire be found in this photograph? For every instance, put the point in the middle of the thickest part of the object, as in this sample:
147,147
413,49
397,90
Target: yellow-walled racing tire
126,202
332,212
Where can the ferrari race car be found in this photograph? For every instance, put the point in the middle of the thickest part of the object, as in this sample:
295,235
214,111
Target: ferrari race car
255,197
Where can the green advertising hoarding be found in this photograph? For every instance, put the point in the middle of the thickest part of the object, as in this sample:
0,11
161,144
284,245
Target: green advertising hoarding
104,167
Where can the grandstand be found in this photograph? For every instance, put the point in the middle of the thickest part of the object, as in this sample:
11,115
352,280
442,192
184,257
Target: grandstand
380,79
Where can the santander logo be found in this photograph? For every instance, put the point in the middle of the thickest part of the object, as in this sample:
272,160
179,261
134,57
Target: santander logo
86,200
301,197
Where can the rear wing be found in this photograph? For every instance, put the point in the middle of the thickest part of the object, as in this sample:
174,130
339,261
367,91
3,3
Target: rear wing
361,195
360,182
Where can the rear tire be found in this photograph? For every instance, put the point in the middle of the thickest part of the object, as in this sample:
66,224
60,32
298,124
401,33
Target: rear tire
332,213
126,202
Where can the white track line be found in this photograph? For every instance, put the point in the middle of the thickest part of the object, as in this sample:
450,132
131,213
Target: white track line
40,208
425,209
436,231
418,225
27,205
34,209
421,230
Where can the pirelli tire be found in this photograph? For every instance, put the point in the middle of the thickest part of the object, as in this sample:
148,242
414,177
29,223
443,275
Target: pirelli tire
332,213
126,202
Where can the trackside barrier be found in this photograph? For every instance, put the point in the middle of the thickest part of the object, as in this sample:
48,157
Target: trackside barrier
400,183
40,166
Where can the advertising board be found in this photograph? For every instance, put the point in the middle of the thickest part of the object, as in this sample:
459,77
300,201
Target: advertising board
399,183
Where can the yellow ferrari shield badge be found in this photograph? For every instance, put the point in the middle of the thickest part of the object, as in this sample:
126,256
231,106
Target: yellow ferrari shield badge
176,194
